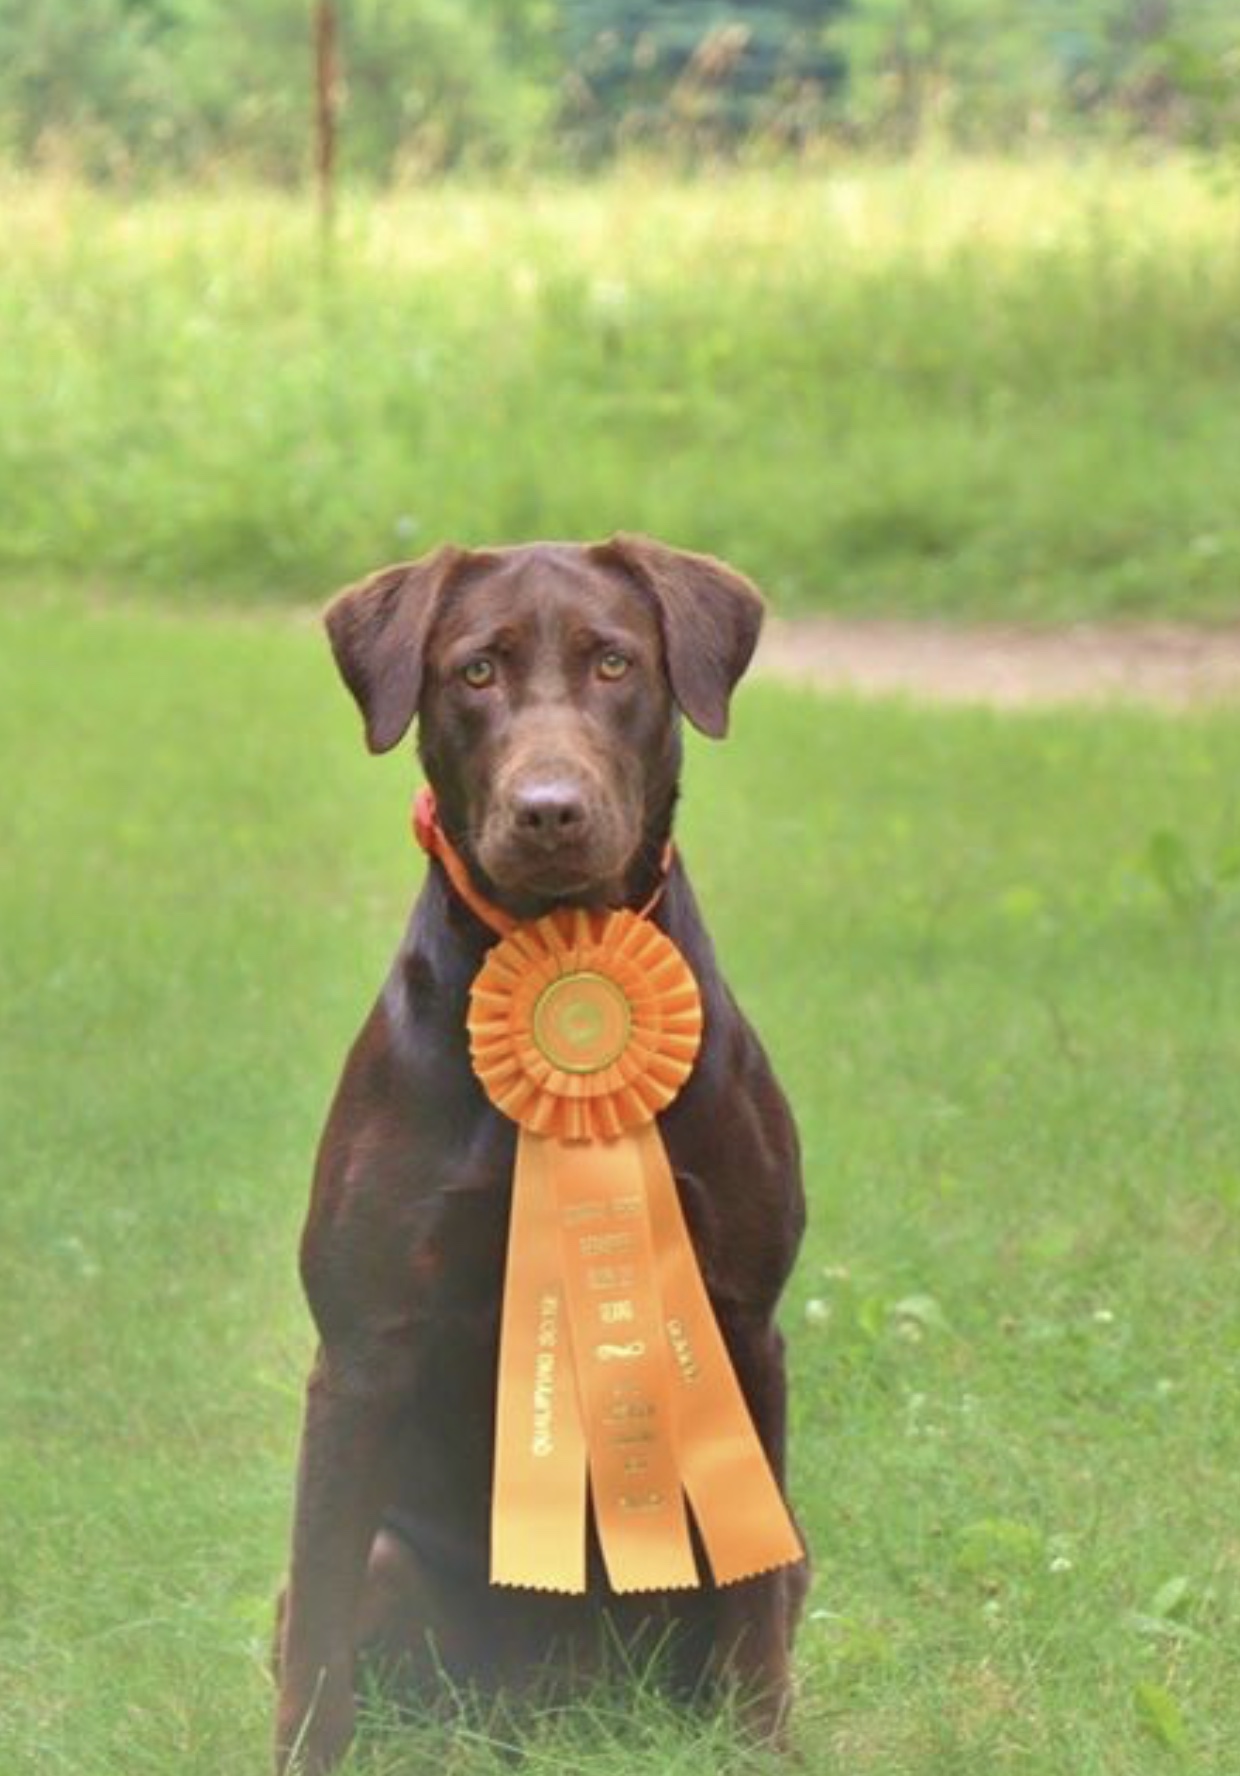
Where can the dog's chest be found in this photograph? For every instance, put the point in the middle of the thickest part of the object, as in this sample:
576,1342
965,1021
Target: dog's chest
457,1251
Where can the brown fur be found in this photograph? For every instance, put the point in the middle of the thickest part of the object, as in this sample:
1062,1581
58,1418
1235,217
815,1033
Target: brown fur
557,783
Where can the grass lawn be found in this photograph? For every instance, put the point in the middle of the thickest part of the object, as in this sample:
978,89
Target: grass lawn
958,388
996,960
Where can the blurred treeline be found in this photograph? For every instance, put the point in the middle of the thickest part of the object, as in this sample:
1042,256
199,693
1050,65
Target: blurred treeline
144,88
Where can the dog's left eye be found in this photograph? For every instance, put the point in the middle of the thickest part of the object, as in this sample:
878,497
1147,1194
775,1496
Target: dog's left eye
612,664
478,673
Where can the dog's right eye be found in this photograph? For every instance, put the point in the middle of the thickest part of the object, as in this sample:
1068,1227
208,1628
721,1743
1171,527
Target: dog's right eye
478,673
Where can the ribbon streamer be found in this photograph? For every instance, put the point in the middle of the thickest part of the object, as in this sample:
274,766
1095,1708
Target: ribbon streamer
612,1365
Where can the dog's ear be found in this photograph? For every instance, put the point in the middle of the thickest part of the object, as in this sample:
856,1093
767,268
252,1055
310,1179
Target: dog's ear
378,632
710,616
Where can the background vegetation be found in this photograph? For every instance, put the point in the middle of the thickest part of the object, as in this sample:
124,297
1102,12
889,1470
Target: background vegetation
750,275
954,387
146,88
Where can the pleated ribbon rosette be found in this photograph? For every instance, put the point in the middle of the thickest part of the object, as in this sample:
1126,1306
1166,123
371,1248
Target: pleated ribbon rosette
613,1374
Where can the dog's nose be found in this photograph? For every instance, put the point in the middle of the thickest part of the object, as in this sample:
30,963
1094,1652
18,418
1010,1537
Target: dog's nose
549,811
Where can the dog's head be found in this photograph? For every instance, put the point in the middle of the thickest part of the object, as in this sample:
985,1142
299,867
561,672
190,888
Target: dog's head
546,680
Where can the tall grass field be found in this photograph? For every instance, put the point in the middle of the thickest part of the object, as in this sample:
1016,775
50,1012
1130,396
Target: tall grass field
952,387
995,959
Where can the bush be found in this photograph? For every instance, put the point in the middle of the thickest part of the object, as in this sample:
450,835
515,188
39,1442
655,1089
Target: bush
125,87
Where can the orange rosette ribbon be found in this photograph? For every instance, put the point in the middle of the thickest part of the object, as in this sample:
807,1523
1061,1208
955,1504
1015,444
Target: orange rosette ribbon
614,1378
583,1025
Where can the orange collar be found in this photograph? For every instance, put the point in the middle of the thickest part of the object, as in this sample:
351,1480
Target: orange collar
436,843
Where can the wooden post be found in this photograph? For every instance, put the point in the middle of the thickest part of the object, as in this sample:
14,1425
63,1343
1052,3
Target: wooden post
326,113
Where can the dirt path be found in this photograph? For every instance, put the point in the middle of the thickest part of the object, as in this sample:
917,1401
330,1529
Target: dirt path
1173,664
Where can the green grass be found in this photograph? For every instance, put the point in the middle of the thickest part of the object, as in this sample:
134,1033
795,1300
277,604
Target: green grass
1008,1015
959,388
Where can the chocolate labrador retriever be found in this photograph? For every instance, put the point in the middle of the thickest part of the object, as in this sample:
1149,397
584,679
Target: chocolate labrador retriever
548,682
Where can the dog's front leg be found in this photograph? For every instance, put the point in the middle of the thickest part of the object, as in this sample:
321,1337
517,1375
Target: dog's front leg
352,1409
752,1648
755,1619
